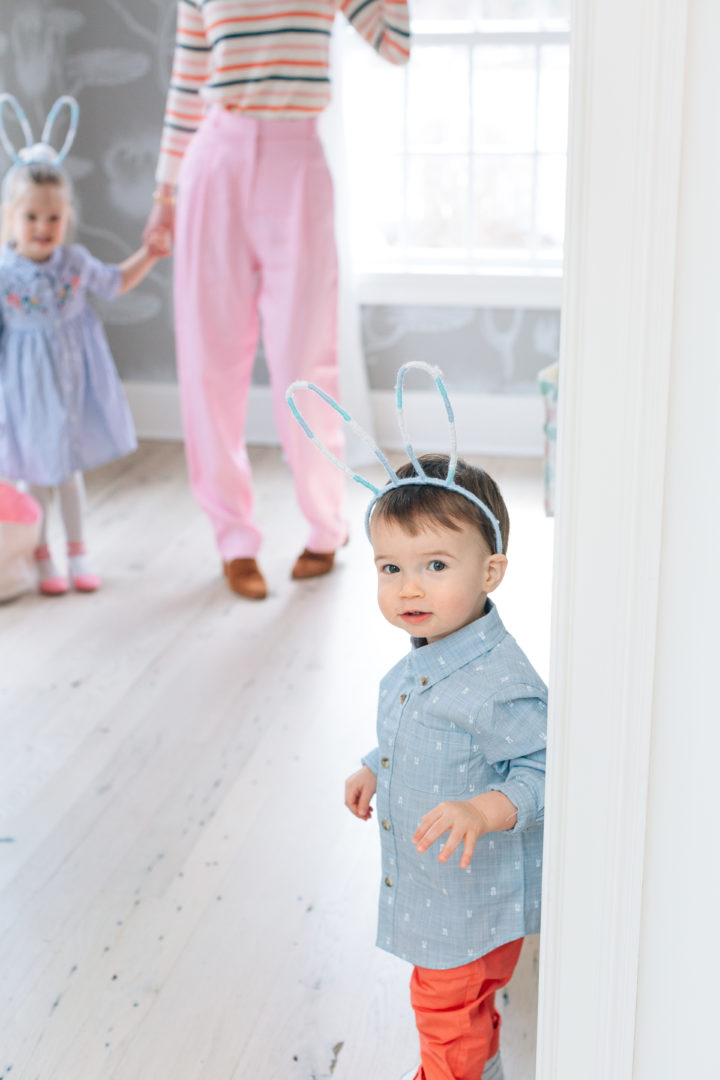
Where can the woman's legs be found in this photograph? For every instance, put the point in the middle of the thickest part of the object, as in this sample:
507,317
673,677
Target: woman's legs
216,325
293,233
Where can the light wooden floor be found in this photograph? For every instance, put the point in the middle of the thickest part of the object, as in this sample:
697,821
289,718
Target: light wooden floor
182,893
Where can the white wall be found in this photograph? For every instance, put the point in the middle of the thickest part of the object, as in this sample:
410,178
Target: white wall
630,957
678,996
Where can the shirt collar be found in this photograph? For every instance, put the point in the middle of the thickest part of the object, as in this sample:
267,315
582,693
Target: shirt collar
28,269
428,663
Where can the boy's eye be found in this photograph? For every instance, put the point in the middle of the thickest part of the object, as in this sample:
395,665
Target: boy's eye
390,568
437,564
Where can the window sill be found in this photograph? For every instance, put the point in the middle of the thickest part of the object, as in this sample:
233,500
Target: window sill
539,289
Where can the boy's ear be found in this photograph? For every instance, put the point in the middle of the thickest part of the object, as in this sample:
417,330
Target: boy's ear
496,567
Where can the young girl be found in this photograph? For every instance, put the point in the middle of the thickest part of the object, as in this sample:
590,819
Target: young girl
62,408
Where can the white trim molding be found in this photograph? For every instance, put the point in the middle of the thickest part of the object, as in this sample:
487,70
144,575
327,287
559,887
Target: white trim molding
493,424
156,411
506,425
453,287
627,84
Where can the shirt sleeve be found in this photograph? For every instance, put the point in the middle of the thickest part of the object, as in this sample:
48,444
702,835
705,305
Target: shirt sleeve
385,24
372,760
514,741
103,279
184,107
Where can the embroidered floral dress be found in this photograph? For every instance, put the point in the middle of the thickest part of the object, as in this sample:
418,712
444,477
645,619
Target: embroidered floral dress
62,408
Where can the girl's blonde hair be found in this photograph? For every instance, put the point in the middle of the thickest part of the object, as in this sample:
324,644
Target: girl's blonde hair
21,177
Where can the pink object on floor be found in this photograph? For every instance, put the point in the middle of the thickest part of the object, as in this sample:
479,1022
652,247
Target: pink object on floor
20,517
16,507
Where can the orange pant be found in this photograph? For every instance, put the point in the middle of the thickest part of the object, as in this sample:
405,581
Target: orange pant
458,1024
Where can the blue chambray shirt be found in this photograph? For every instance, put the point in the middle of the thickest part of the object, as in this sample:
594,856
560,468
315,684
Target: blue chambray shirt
458,717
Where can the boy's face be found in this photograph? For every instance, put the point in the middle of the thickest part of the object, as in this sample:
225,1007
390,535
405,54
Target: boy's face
436,582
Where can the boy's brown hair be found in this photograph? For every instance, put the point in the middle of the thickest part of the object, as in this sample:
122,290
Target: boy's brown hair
413,505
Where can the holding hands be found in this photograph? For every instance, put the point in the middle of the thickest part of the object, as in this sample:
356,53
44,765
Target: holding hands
159,242
160,226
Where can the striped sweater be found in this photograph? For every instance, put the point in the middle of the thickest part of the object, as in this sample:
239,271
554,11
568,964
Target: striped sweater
267,58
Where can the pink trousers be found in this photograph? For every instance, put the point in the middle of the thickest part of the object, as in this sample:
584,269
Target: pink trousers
255,248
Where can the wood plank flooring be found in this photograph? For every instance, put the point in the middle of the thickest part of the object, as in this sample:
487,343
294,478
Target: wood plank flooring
182,892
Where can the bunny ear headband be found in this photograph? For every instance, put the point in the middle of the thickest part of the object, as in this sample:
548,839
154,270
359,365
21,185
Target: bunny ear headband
36,152
395,481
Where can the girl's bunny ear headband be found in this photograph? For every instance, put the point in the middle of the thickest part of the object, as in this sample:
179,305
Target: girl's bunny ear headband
35,153
395,481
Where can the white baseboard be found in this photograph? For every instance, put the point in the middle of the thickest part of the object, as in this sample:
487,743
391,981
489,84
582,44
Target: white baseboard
495,424
156,412
499,425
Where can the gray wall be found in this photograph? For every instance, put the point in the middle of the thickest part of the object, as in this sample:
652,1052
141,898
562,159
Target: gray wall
114,56
484,351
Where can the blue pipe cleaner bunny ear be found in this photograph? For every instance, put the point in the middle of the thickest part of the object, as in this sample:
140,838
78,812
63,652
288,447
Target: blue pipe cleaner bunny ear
36,152
421,478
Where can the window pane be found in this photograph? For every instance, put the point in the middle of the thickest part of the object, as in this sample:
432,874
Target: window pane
440,10
504,97
437,204
551,203
553,98
506,9
438,95
555,9
503,202
377,211
373,93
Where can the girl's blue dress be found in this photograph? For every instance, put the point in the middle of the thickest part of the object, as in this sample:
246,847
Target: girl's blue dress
62,408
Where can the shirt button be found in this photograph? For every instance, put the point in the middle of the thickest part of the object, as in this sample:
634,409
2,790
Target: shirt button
423,680
385,824
403,699
388,882
385,761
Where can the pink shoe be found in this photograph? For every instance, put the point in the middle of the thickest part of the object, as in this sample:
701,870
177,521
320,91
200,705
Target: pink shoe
86,582
53,586
50,583
82,579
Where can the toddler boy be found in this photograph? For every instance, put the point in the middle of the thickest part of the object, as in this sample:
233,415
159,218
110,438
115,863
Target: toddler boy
461,755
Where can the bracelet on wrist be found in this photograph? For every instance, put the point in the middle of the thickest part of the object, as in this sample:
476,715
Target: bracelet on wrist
160,197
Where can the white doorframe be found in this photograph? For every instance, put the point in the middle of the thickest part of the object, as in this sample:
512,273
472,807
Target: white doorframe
628,70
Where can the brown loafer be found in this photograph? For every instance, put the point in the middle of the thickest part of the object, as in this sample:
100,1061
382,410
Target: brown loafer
244,578
311,564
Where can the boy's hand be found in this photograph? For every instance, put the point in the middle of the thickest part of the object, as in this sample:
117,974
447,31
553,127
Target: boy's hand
468,821
359,790
464,821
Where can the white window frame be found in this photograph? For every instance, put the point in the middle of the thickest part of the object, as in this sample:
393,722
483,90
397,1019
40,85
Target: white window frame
532,282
